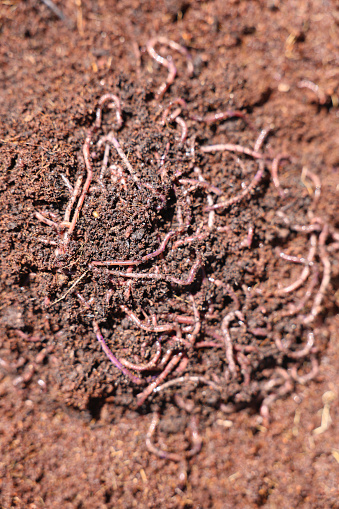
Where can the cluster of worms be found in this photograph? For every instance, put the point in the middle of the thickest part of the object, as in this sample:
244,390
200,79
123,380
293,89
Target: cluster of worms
178,336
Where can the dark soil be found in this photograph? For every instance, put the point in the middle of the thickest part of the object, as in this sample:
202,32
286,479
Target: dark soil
72,432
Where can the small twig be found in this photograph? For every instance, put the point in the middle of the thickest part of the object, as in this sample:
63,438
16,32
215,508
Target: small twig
70,289
58,12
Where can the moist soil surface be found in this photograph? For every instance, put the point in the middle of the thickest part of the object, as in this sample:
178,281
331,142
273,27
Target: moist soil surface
249,420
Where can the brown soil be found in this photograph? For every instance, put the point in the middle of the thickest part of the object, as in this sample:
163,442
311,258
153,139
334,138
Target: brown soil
72,433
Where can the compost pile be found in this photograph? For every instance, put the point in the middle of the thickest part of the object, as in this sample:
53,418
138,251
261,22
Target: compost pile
159,243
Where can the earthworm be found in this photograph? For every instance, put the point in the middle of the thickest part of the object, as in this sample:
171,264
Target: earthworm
173,116
299,354
106,349
244,364
41,356
322,98
166,455
47,241
199,183
128,289
250,237
188,240
109,295
102,101
216,117
211,214
182,365
180,121
145,258
261,138
47,221
166,357
317,182
284,389
13,366
237,347
274,172
247,242
148,391
74,196
333,247
148,328
160,249
156,450
305,273
236,199
184,379
333,233
190,278
227,339
197,325
295,308
316,308
163,157
196,447
188,210
112,357
186,320
196,439
144,367
231,148
172,70
128,263
168,63
208,344
294,259
140,275
42,384
302,379
180,218
306,228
